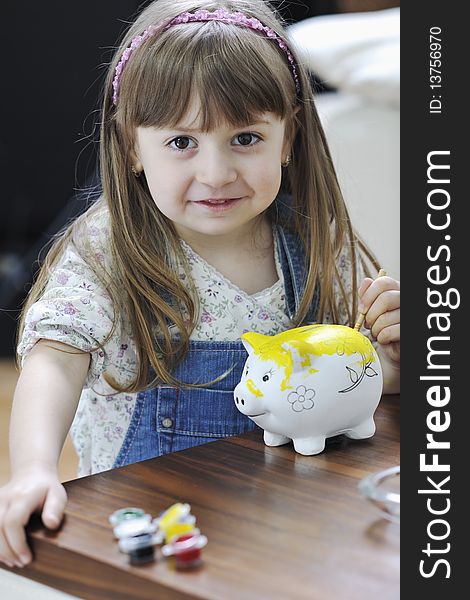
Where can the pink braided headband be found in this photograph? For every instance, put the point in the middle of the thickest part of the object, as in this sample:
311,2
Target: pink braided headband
236,18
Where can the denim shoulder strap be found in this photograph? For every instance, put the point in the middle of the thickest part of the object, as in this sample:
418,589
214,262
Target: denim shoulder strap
294,268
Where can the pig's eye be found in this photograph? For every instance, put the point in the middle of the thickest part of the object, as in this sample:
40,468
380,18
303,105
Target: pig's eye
266,377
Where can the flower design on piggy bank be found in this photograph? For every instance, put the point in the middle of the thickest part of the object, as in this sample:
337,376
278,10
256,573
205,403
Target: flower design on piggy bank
310,383
301,399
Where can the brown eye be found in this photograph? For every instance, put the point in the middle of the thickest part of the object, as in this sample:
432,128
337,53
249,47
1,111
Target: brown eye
181,143
245,139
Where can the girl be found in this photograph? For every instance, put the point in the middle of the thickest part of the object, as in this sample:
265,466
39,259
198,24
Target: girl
220,213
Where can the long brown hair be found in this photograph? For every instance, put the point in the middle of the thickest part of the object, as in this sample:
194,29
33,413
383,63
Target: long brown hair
236,74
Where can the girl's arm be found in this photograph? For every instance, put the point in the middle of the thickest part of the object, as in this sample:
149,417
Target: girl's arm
44,404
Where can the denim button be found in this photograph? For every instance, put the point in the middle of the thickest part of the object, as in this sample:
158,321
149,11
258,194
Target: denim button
167,422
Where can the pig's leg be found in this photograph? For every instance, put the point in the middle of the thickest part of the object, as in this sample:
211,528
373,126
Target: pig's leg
366,429
275,439
310,445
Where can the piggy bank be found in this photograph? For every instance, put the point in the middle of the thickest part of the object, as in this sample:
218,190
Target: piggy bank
310,383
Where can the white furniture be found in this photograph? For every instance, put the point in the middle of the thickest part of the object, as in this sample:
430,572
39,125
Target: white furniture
15,587
364,141
358,55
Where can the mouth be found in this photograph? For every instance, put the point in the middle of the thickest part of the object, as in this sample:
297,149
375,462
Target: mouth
258,415
218,204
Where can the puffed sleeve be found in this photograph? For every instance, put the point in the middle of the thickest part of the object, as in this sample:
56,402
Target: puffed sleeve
74,309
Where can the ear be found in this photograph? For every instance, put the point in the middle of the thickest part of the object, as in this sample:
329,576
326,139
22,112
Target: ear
299,359
135,156
290,133
287,347
253,341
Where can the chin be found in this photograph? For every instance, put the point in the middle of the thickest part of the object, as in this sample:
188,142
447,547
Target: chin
216,227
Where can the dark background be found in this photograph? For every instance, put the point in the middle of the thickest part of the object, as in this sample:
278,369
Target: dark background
423,133
54,62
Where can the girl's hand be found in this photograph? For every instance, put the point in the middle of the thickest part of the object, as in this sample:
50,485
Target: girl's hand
380,302
35,487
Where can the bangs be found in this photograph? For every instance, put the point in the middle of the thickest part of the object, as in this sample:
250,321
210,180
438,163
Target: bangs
234,73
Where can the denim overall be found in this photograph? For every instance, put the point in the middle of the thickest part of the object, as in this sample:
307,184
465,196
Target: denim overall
168,418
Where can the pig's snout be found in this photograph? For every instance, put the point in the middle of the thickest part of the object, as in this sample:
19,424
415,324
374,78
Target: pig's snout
239,400
246,398
241,396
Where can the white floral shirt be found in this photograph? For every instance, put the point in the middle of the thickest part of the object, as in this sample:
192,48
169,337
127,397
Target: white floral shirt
75,309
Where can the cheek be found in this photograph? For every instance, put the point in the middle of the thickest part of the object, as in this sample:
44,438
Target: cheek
167,185
266,178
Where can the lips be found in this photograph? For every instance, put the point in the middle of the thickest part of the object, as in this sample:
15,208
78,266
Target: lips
217,204
216,200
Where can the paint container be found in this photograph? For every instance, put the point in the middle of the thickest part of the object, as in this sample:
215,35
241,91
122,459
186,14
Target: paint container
140,548
186,550
134,527
126,514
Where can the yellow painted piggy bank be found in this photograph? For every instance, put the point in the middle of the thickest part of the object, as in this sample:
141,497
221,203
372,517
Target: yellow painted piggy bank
310,383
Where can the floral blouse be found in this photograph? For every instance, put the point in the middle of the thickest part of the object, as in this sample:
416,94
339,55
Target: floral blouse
75,309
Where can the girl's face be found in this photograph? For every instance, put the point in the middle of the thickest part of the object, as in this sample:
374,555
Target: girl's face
212,183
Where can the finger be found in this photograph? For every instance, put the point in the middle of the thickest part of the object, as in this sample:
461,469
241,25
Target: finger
377,287
54,506
389,335
385,319
386,302
7,555
364,285
16,518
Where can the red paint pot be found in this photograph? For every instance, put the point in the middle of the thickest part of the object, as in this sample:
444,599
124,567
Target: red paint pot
186,549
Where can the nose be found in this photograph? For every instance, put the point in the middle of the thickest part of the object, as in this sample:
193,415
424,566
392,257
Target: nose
216,169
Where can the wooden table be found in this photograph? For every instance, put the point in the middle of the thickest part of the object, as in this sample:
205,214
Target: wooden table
279,524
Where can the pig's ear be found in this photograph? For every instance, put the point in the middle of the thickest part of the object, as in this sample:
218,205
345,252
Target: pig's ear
299,355
253,341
